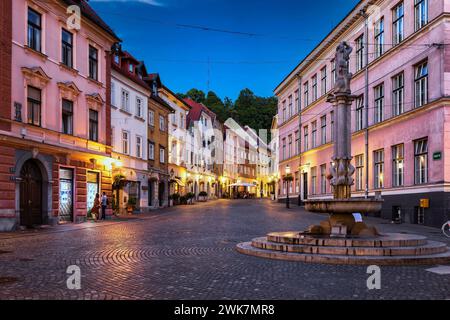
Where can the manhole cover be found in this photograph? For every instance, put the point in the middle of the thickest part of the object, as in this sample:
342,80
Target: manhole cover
8,280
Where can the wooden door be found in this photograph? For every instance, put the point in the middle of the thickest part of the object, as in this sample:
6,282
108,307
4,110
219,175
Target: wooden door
30,195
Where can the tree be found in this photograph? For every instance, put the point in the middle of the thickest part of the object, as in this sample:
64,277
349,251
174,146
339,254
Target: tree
196,95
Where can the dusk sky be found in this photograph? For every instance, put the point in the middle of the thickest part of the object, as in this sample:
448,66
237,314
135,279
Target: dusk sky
267,39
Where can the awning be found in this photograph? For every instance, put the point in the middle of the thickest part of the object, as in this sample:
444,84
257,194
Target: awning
242,185
178,181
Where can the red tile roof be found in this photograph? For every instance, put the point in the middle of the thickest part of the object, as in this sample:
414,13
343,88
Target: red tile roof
196,111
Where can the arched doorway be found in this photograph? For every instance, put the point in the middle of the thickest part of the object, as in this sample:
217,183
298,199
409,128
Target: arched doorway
30,194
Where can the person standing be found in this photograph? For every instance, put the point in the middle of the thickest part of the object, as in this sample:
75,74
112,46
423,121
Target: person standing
104,205
95,212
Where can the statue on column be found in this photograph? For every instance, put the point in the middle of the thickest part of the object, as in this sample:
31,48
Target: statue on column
344,76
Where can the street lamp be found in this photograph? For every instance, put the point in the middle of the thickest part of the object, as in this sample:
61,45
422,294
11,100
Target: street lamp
288,179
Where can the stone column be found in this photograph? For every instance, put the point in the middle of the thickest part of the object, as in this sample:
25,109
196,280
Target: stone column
342,170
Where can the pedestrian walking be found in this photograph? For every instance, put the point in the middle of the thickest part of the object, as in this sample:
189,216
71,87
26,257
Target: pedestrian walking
104,205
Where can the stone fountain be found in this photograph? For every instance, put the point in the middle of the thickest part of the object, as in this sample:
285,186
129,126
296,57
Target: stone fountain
343,206
344,238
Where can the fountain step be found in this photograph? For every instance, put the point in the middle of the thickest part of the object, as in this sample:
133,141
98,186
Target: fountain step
385,240
431,247
431,259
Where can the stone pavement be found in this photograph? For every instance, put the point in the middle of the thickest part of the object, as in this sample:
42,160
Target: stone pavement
189,253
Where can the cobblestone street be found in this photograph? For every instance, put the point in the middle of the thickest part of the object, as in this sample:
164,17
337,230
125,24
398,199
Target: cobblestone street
189,253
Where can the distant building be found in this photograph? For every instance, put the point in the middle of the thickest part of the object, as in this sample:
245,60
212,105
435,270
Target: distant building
199,147
177,155
158,145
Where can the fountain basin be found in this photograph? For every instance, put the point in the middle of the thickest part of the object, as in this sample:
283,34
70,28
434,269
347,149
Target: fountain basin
345,206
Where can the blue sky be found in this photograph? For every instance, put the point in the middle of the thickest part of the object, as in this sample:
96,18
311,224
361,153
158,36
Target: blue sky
271,38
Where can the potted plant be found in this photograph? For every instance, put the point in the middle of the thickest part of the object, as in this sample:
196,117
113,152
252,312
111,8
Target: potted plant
190,197
203,195
175,198
131,205
183,200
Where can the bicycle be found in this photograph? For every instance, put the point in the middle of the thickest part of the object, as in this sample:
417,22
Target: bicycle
446,229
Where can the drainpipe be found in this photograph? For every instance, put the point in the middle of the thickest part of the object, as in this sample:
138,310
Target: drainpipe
299,138
366,101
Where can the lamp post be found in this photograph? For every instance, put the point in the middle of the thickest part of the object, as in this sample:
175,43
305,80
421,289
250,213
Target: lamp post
288,181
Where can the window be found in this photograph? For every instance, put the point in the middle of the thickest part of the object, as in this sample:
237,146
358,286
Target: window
283,156
398,165
421,161
139,107
332,126
67,116
297,142
323,80
151,150
162,154
359,113
162,123
323,179
305,138
306,94
378,157
360,63
379,37
131,68
420,13
291,107
323,130
181,121
398,92
125,101
138,147
314,87
125,142
297,101
151,118
379,103
116,59
398,14
67,48
34,30
333,72
313,180
421,85
113,93
290,146
34,106
314,134
359,174
284,115
93,125
93,63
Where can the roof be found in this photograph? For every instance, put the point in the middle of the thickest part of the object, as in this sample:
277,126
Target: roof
164,88
89,13
196,111
159,100
324,40
126,73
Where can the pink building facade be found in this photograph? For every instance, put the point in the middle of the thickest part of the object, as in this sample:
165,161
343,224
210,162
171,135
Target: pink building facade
56,131
403,106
